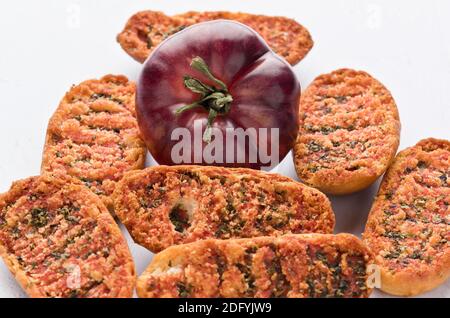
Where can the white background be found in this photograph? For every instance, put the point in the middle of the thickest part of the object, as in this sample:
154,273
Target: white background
48,45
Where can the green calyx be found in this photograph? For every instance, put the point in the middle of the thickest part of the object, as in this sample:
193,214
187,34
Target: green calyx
216,100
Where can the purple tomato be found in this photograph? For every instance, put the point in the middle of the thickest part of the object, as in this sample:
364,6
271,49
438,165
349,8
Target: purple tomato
216,94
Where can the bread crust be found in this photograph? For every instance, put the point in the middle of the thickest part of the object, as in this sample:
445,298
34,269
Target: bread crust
286,266
408,228
146,29
162,206
349,132
93,135
49,226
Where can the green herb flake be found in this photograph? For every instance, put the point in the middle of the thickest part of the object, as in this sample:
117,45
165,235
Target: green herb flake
437,219
184,290
39,217
222,230
322,257
230,207
352,144
416,255
343,288
341,99
173,31
162,190
156,203
311,287
421,165
248,277
73,293
395,235
420,203
99,96
314,147
87,182
408,170
392,255
143,203
313,169
327,130
67,211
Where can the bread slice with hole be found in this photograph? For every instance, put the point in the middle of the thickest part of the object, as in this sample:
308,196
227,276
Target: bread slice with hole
163,206
302,265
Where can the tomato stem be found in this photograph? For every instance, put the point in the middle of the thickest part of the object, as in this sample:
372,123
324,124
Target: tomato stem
217,101
200,65
187,107
208,131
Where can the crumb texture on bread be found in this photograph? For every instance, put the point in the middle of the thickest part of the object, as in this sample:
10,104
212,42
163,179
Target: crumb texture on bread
59,240
162,206
408,228
94,136
349,132
147,29
302,265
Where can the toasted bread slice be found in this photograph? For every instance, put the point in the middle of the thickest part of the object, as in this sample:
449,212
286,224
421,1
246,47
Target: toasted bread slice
58,240
162,206
302,265
408,228
349,132
146,29
94,136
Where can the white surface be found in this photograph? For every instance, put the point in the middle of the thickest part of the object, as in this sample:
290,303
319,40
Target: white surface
48,45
